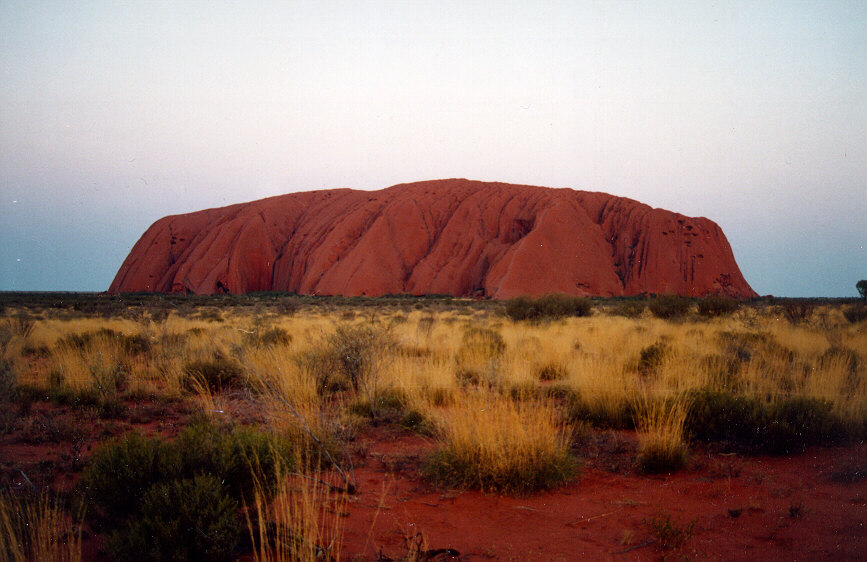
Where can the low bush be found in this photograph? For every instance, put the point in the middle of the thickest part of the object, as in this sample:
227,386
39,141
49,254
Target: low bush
855,313
651,357
241,455
714,306
215,374
752,425
127,480
350,353
120,473
275,336
629,309
669,534
797,311
416,420
190,519
548,307
551,371
669,307
35,350
385,402
602,413
134,344
8,391
842,356
477,356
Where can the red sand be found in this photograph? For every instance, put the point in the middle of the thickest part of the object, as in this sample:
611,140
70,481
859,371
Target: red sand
806,507
455,237
791,509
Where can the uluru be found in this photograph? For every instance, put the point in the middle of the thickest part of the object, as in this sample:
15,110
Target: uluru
457,237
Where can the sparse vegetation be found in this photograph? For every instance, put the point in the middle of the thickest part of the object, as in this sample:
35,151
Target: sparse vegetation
667,532
714,306
669,307
548,307
505,403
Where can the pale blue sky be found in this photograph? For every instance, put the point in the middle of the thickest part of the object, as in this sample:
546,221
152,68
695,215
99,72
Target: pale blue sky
114,114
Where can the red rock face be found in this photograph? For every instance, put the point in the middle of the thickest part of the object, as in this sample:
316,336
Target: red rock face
456,237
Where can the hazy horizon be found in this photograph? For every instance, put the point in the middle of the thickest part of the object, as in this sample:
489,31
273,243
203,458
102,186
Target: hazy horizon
753,115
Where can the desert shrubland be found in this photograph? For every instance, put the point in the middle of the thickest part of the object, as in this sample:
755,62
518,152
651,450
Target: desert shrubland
500,392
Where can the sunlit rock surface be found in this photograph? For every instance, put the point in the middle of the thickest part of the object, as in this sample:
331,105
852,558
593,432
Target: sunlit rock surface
456,237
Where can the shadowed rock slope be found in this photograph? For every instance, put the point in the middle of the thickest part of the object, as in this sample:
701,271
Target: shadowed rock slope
457,237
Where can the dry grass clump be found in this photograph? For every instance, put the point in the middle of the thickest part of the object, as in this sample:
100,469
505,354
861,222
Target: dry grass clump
477,358
300,522
497,445
659,424
36,527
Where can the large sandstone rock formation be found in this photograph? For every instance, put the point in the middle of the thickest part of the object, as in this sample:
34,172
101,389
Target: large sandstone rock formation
456,237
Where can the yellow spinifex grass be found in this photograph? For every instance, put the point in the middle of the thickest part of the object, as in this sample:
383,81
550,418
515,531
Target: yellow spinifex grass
659,424
301,522
37,528
495,444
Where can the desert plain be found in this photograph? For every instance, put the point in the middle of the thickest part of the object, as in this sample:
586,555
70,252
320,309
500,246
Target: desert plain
279,427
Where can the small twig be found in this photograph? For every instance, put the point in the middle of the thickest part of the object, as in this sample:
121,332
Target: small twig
586,519
636,547
29,483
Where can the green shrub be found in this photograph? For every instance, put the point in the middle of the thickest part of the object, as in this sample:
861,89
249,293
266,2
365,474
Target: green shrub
216,374
350,354
714,306
418,422
751,425
32,350
388,400
855,313
190,519
669,307
241,455
723,372
668,533
551,371
275,336
662,460
120,473
548,307
842,355
481,342
651,357
797,311
135,344
443,467
604,414
629,309
8,391
477,356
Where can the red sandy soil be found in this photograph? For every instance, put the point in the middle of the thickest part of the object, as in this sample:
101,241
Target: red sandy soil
804,507
457,237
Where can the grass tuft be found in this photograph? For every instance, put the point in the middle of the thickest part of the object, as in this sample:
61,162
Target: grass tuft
498,446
